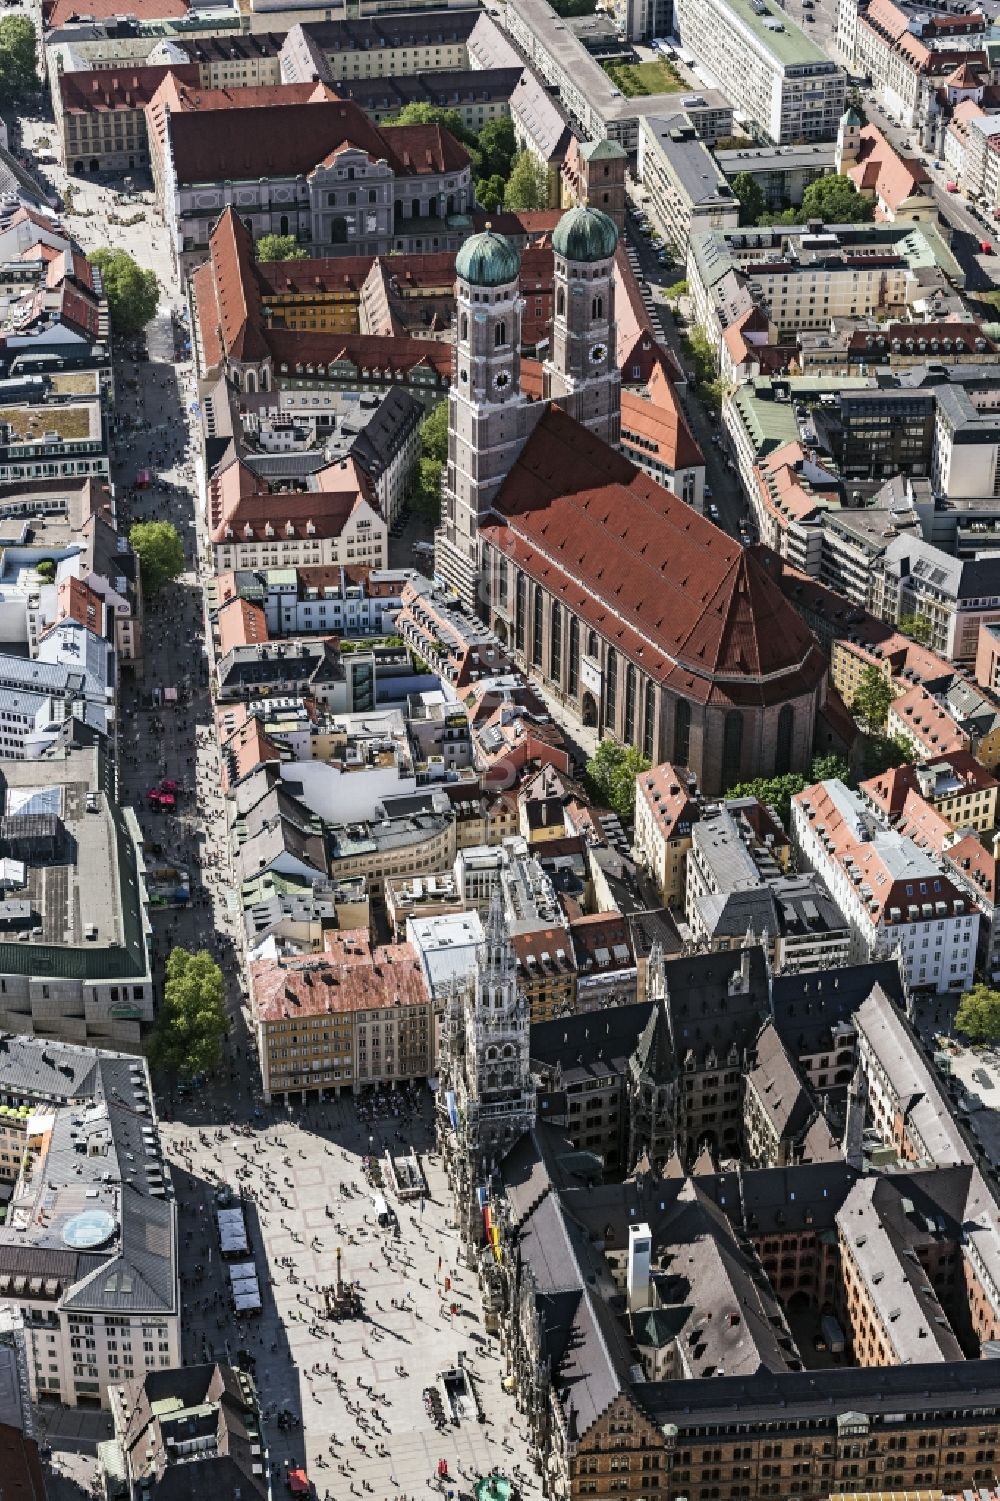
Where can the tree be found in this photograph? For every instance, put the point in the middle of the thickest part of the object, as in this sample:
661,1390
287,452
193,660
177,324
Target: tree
133,294
835,200
434,434
279,248
883,751
419,113
872,699
18,59
774,792
46,570
676,291
611,773
978,1014
829,768
490,191
528,184
425,494
916,627
497,146
187,1039
753,204
158,546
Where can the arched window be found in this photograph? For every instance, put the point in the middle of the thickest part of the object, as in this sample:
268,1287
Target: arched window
500,334
592,649
283,224
573,665
555,644
251,380
502,582
465,326
783,740
536,628
649,721
682,732
611,688
597,308
630,690
560,302
732,748
520,609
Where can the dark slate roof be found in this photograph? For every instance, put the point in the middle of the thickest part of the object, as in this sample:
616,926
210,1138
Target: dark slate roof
785,1398
575,1041
807,1007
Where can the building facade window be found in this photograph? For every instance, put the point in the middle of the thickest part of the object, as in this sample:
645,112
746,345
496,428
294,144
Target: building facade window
611,688
536,628
520,610
573,664
630,693
649,722
783,740
682,732
555,644
732,748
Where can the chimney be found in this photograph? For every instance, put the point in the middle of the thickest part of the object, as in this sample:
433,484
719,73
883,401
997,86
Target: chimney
640,1243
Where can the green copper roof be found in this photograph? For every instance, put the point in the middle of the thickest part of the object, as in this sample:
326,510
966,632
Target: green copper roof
585,234
487,260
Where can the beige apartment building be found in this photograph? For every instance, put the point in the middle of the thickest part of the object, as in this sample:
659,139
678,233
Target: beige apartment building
343,1020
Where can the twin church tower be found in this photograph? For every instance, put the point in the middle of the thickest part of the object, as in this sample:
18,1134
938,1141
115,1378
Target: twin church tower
490,416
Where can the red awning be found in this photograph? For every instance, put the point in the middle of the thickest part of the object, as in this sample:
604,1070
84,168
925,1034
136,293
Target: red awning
298,1483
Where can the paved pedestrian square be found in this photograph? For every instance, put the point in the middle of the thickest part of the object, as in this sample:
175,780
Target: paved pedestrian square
356,1386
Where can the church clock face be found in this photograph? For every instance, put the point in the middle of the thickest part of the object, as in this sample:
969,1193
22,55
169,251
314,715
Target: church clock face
501,380
599,354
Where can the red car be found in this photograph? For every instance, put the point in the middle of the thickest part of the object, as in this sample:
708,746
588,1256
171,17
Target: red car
986,247
168,785
951,187
167,800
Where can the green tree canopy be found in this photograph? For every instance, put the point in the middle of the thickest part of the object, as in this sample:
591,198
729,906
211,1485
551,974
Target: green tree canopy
192,1023
425,492
978,1014
872,699
158,546
18,59
434,433
835,200
883,751
676,290
279,248
46,570
774,792
751,196
829,768
490,191
418,113
497,146
611,773
528,184
133,294
916,627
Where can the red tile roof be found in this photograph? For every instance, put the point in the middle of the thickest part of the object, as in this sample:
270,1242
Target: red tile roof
349,976
975,865
241,507
658,419
265,132
58,12
241,623
93,91
77,601
882,170
676,595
